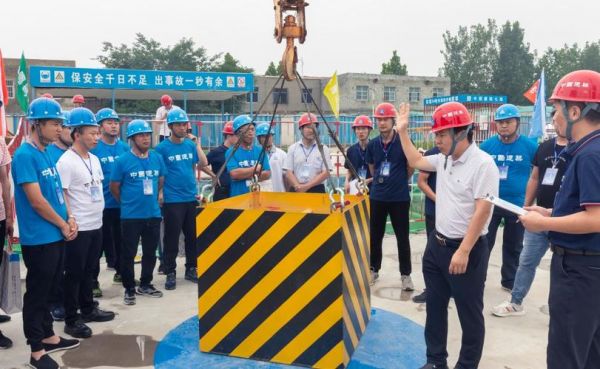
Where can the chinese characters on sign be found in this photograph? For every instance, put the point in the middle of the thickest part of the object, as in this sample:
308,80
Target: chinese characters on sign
491,99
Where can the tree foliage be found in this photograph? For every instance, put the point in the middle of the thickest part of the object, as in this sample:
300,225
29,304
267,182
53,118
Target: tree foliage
273,70
394,66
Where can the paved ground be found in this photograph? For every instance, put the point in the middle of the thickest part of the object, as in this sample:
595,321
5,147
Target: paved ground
129,341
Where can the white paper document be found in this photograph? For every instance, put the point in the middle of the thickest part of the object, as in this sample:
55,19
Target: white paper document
505,205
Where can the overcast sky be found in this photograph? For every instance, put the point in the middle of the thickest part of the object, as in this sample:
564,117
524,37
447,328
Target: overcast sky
347,36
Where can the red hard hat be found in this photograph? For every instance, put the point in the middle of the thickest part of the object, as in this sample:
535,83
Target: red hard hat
78,99
307,118
450,115
385,110
166,100
580,85
362,121
228,128
47,95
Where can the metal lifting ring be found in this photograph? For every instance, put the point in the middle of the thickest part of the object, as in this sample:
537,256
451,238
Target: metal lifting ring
207,193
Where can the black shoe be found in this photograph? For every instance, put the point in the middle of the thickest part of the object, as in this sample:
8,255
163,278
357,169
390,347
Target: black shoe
78,330
5,342
170,283
191,275
149,291
4,318
129,297
45,362
58,313
98,315
96,303
63,344
161,269
434,366
421,298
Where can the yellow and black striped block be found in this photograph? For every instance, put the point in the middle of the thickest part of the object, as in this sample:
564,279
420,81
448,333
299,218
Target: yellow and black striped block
282,279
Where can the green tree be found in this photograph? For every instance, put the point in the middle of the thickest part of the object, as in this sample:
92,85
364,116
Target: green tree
590,56
273,70
558,62
232,65
515,70
394,66
470,58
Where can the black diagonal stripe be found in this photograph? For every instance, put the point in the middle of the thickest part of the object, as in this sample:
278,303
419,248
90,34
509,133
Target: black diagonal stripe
246,240
292,328
354,244
260,269
348,341
321,346
214,230
361,231
365,210
352,314
353,274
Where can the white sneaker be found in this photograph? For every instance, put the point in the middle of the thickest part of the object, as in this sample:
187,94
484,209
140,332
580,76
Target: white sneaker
407,283
374,277
507,308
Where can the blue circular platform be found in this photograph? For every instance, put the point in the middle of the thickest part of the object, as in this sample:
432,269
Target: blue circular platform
390,341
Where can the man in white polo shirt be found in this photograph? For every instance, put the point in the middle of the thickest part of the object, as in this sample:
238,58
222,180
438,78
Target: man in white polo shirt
456,257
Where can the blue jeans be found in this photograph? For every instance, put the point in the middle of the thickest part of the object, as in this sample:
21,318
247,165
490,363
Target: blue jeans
535,245
512,243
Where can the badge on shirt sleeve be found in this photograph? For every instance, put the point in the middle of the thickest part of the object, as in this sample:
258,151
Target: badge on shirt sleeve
503,169
148,187
550,176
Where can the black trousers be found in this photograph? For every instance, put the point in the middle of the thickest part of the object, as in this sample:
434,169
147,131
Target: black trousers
512,243
111,240
44,272
399,214
131,232
429,224
221,193
81,258
178,217
574,335
467,290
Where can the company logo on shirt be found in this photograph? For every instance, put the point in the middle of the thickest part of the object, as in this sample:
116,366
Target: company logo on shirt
49,172
181,157
508,157
247,163
109,159
144,174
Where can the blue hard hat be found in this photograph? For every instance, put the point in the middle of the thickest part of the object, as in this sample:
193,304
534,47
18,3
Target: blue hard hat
507,111
67,115
80,117
106,113
263,129
177,116
240,121
44,108
137,126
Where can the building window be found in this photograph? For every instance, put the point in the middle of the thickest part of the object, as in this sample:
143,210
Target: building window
10,84
362,93
307,95
438,91
389,94
281,95
414,94
252,96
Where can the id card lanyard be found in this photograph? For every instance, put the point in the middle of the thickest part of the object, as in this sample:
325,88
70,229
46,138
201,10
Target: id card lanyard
384,171
305,170
95,194
551,173
146,182
503,169
362,172
57,189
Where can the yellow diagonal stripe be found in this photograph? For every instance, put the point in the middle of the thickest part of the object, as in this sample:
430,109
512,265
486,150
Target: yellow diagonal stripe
333,359
311,333
205,218
265,286
365,250
290,308
265,243
354,260
346,357
350,328
226,239
354,298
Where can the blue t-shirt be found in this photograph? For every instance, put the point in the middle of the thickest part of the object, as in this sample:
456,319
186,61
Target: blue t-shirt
518,158
394,186
431,181
580,188
180,179
244,159
54,152
108,154
131,171
31,165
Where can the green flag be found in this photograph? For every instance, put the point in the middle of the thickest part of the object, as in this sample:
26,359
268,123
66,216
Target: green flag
22,86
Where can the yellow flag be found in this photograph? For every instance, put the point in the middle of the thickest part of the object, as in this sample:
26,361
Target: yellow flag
332,93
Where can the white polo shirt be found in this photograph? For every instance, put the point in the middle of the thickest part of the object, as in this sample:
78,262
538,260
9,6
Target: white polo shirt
76,178
472,176
306,162
161,114
277,159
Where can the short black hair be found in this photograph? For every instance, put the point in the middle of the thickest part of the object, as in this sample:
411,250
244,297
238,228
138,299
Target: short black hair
458,130
592,115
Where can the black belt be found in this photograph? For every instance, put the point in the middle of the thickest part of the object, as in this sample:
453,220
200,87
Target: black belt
564,251
447,242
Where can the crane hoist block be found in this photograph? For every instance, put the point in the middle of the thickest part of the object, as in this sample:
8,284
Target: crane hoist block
282,278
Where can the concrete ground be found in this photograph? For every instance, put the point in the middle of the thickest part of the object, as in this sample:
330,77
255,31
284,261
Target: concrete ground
129,341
